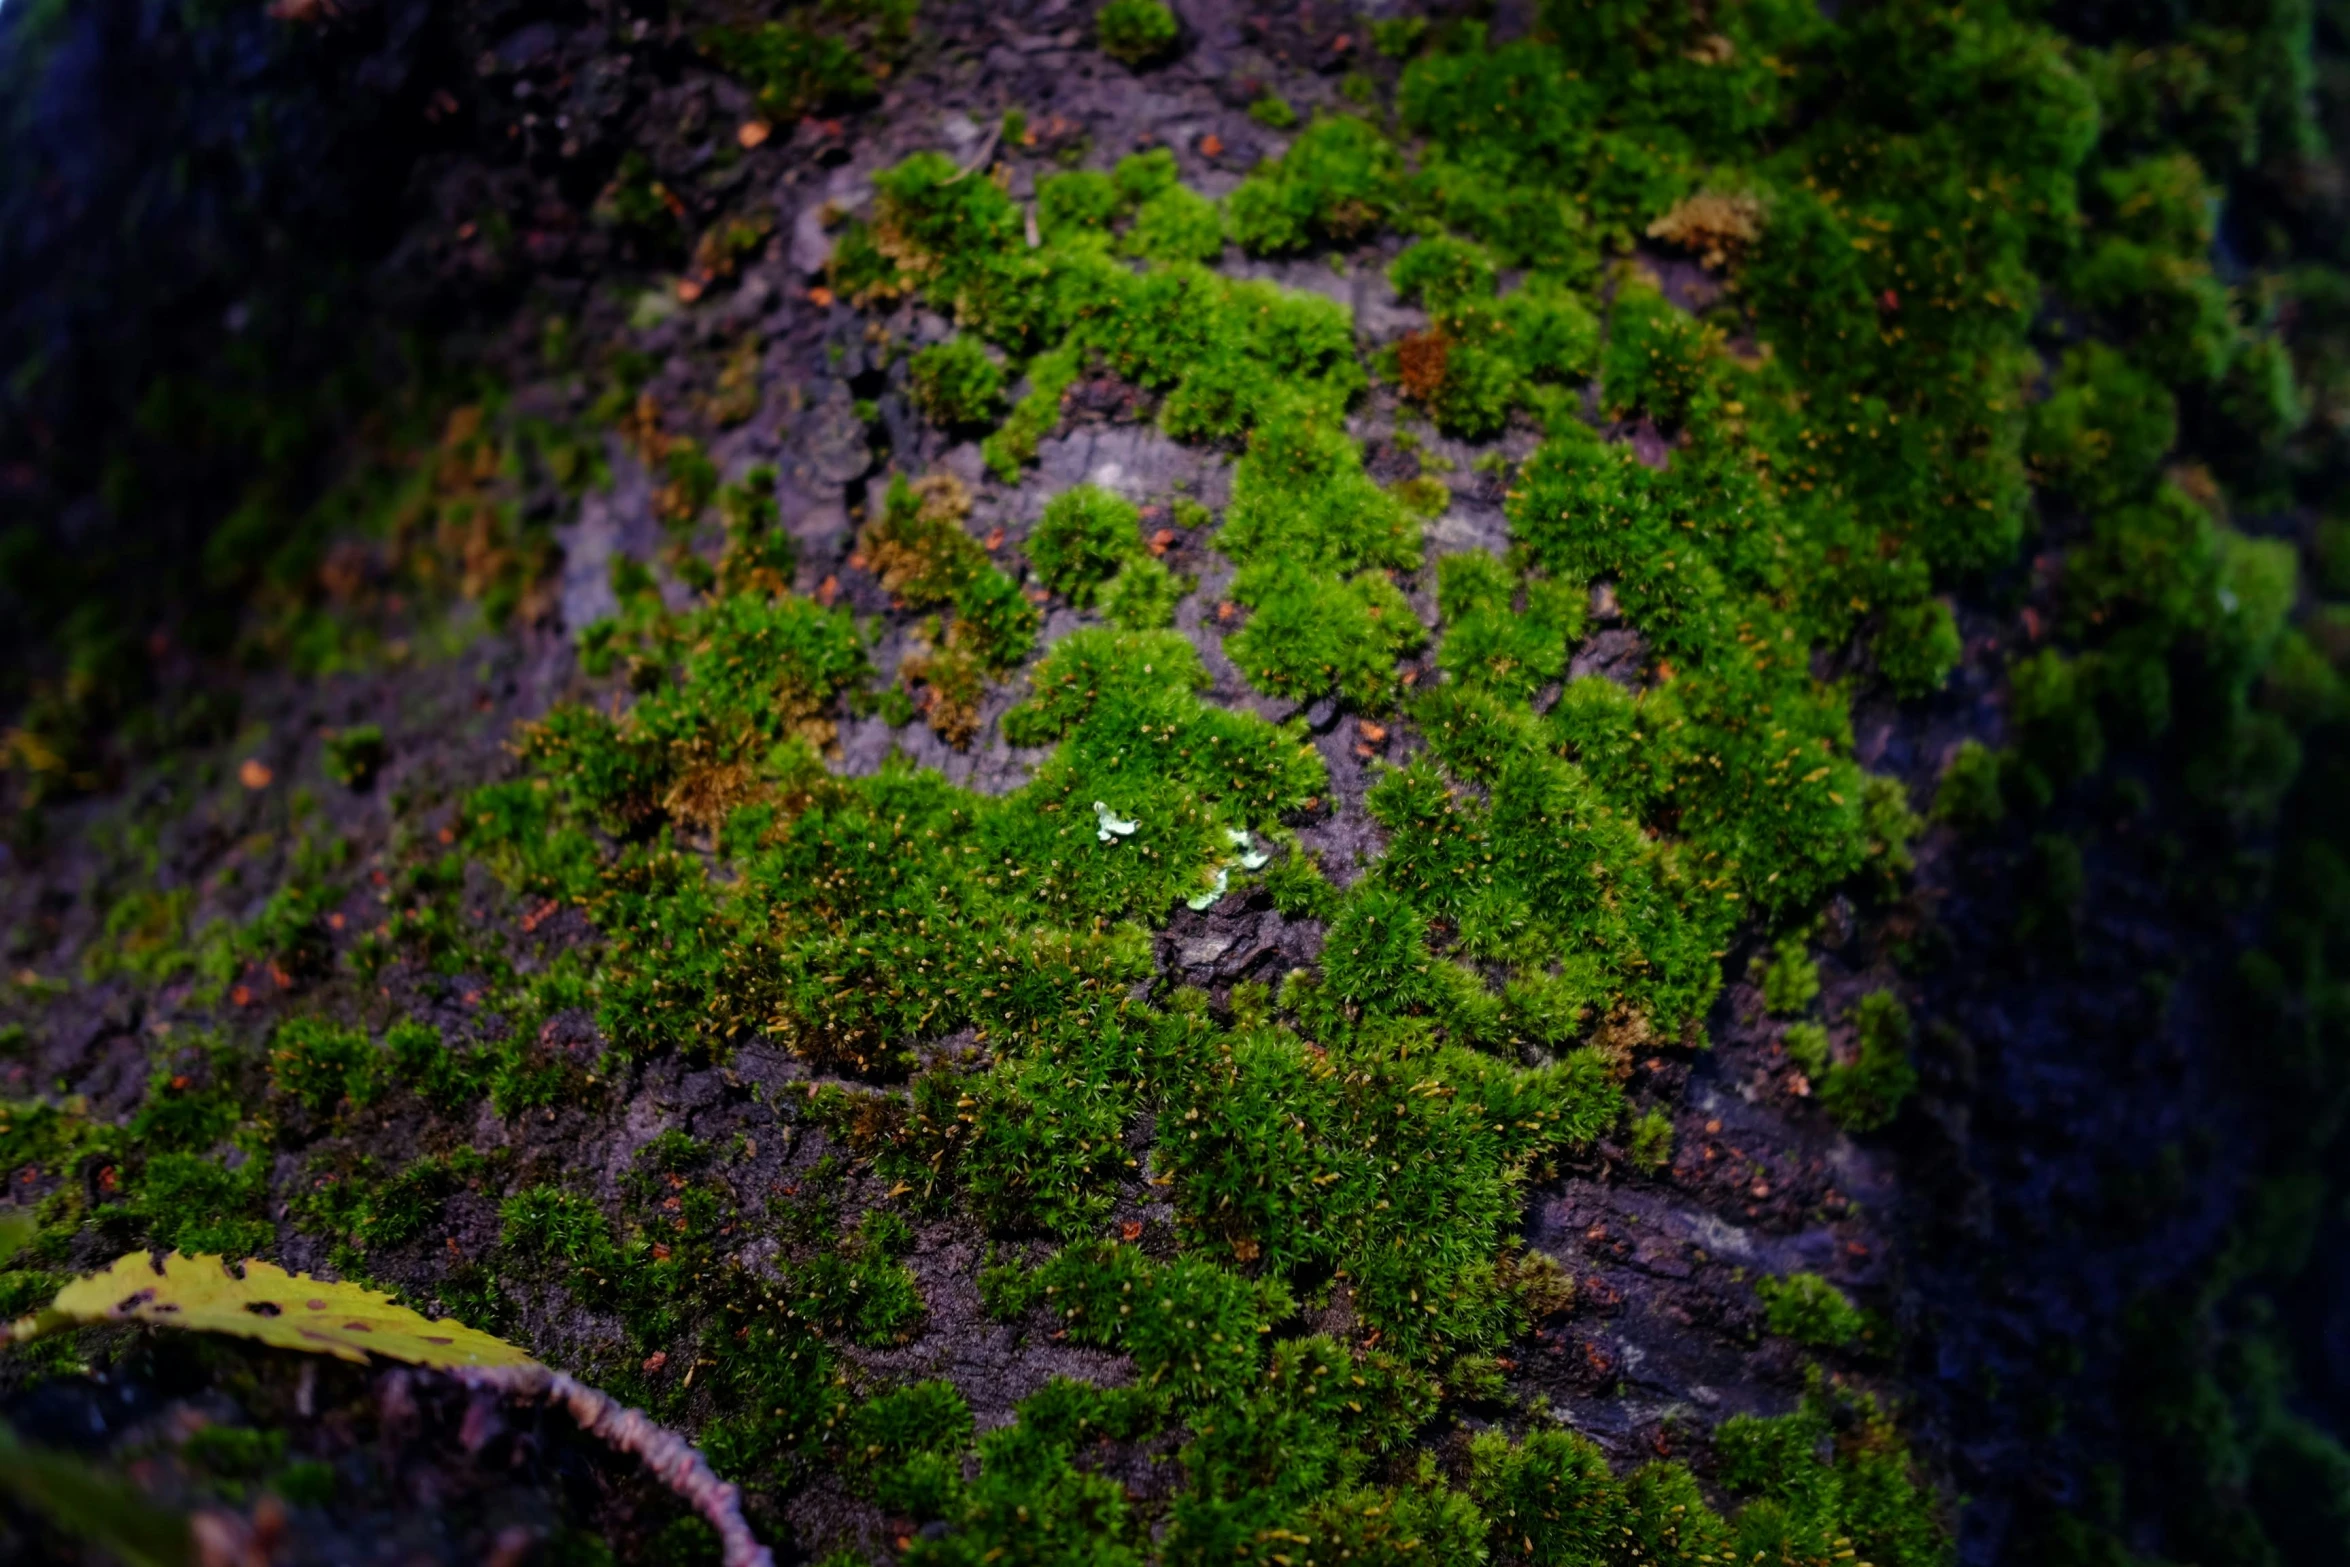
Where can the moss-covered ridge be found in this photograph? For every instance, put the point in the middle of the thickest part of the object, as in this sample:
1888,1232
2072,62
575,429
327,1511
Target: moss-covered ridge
966,980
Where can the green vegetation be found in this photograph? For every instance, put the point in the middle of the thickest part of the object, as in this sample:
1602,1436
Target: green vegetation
355,755
1336,184
957,384
791,70
1086,537
1877,414
1866,1090
1481,356
1143,595
1792,981
1273,112
1809,1310
1135,31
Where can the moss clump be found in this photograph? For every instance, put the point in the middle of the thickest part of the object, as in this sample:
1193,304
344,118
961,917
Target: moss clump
1918,646
957,384
921,553
1135,31
1504,632
318,1065
355,755
1809,1310
1792,981
1649,1143
1177,224
1309,633
1085,537
1067,205
1273,112
1481,356
2103,431
792,71
1968,794
1340,180
1143,595
1867,1090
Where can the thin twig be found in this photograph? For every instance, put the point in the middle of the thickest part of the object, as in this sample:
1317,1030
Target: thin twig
676,1462
986,150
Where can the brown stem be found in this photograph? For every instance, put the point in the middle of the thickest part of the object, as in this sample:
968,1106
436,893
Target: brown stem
677,1462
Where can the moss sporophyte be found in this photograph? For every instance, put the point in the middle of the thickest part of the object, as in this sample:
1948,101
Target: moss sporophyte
1291,1206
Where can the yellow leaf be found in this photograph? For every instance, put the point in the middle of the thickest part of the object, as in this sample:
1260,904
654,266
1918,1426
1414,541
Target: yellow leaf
290,1311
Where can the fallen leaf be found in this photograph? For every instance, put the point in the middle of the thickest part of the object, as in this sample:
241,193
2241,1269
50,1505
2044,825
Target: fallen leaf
288,1311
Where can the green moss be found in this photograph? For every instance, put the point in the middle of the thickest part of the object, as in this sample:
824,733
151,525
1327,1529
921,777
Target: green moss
1918,646
355,755
1310,633
1337,182
1049,376
791,71
196,1203
1792,981
1085,537
1443,274
318,1065
1867,1090
1135,31
1649,1141
1849,429
1067,205
2103,431
1273,112
1503,632
1968,794
1177,224
1809,1310
1143,595
957,384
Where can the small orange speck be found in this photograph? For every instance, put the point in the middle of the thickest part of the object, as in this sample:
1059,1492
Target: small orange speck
752,133
1211,145
688,290
254,773
820,295
1131,1230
